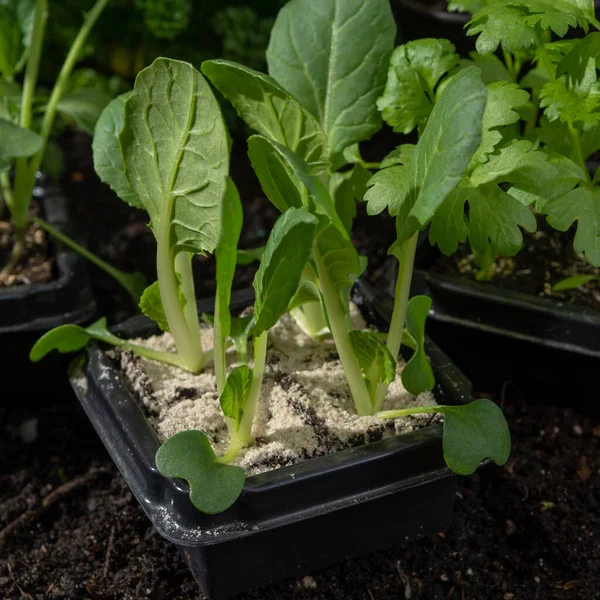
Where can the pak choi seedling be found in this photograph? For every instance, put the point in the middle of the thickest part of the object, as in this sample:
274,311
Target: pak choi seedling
310,113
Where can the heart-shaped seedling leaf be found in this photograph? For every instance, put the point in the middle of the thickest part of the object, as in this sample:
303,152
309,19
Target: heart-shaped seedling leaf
71,338
417,375
235,393
376,362
472,433
214,486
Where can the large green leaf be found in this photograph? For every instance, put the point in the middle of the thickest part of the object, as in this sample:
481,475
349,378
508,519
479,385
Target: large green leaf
17,141
472,433
452,134
329,55
108,160
270,110
277,279
176,153
11,46
214,486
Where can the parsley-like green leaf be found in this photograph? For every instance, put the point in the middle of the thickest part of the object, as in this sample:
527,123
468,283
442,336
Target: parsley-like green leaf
414,72
566,104
579,65
581,205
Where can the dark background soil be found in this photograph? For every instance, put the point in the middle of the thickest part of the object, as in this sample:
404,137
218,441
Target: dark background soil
69,527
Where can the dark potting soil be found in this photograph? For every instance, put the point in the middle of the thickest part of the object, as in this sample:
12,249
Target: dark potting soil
70,529
37,263
547,257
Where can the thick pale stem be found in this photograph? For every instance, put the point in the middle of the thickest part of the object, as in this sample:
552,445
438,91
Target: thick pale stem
402,292
25,179
341,337
260,356
183,266
187,342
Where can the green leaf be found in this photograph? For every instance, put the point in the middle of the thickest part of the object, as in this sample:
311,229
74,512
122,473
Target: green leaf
249,255
519,163
390,188
299,177
151,305
108,160
415,70
417,375
277,279
240,330
214,486
267,108
340,259
11,46
472,433
345,189
572,283
449,225
402,155
275,176
581,205
17,141
84,107
307,292
496,217
493,70
226,254
235,394
567,105
376,362
579,65
451,136
176,152
503,100
328,54
70,338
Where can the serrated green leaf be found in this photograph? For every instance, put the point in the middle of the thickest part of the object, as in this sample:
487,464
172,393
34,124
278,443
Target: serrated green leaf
565,104
270,110
449,225
328,54
84,107
572,283
519,163
391,188
451,136
414,72
581,205
277,279
402,155
579,64
493,70
17,141
496,217
503,99
108,160
417,375
376,362
472,433
235,394
214,486
176,153
70,338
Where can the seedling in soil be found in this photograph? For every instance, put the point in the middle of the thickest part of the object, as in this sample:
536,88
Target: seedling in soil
310,113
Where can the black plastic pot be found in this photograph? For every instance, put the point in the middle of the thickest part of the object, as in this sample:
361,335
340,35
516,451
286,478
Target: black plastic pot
550,350
291,520
27,311
430,19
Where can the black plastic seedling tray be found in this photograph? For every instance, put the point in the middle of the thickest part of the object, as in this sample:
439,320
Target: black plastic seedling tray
548,349
291,520
27,311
